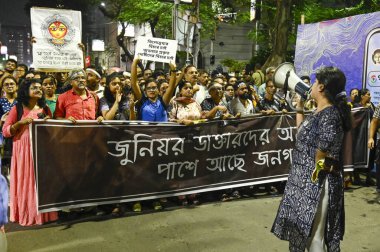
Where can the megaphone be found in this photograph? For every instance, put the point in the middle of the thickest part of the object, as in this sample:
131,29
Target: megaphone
285,77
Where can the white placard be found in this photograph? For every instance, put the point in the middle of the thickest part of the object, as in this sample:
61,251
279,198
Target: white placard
156,49
57,34
4,50
253,10
97,45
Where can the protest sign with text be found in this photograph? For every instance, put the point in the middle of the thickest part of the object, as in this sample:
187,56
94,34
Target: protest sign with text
58,33
91,164
156,49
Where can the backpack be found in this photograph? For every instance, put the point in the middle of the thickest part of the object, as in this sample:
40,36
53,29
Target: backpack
8,141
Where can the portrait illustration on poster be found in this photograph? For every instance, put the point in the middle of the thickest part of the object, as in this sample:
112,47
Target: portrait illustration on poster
58,33
350,43
376,57
371,73
57,30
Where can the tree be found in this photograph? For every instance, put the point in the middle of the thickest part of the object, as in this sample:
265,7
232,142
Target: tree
332,12
158,15
278,34
281,27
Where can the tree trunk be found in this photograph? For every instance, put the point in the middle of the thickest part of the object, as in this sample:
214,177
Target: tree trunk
280,40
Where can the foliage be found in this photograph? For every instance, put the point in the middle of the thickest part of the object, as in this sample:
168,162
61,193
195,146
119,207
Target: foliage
207,16
314,11
260,57
328,13
234,65
158,14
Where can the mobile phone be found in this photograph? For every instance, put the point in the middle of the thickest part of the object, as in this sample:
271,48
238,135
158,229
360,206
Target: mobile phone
371,69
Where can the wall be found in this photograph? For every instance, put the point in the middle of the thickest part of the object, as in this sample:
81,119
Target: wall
236,44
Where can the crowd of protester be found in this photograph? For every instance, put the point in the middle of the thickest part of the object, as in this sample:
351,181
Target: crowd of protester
185,96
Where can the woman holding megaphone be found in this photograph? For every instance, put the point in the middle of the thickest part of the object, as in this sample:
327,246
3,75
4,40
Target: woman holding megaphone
311,213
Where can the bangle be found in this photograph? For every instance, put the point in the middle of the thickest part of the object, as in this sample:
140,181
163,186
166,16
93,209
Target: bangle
174,70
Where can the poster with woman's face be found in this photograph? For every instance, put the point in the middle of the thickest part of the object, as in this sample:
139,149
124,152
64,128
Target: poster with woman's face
371,71
57,33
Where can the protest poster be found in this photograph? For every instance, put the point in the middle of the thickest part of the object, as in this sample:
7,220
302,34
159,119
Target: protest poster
352,44
156,49
90,164
57,33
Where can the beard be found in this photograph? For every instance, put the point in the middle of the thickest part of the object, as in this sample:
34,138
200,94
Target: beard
244,96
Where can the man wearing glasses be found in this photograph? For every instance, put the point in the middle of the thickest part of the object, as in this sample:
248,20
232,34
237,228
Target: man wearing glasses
214,106
78,103
269,72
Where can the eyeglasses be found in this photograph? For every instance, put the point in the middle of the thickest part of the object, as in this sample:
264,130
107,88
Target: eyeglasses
151,88
9,84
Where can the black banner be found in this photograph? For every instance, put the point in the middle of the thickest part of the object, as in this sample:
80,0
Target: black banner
90,164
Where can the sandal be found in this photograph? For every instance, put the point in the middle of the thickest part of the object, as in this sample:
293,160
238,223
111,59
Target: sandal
137,207
225,198
194,199
157,206
116,212
182,200
235,195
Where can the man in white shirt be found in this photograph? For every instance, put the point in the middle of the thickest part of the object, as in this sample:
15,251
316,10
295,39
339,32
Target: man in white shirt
93,82
241,104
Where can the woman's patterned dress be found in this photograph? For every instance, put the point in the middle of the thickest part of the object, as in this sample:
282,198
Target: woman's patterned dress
294,221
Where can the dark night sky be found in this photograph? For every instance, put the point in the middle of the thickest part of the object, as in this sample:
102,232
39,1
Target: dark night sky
12,12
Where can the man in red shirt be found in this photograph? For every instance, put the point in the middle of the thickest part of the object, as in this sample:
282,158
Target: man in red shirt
78,103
